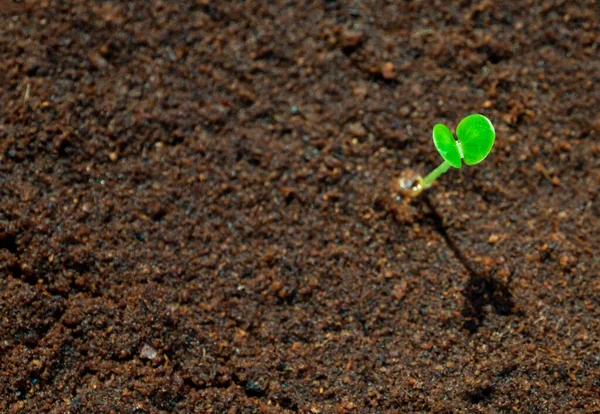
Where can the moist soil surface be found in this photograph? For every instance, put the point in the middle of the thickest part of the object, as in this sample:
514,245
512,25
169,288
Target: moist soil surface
199,210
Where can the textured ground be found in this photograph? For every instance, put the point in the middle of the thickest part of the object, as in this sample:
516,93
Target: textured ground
198,213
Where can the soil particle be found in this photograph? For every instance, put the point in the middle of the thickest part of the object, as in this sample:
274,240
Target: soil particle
148,352
388,71
351,38
200,207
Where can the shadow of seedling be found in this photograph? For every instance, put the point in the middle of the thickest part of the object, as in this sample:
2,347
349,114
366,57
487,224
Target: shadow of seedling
480,290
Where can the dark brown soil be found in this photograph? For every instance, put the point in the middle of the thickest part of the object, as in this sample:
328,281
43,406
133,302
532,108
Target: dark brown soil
198,213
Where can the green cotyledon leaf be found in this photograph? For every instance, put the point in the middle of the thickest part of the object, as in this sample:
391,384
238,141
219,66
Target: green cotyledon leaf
446,145
476,137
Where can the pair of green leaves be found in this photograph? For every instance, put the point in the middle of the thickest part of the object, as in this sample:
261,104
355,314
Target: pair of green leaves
475,135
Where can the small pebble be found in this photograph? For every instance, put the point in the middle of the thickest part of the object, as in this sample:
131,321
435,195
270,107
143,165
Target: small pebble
399,290
357,130
388,70
351,38
148,352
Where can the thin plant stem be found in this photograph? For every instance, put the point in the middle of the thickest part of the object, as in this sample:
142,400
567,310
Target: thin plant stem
432,176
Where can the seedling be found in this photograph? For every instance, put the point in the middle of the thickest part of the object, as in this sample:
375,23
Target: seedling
475,140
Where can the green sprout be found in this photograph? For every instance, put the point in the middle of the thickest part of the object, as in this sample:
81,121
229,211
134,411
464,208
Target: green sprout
475,140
